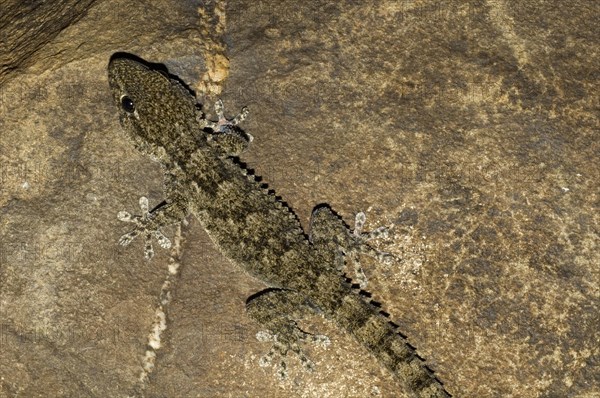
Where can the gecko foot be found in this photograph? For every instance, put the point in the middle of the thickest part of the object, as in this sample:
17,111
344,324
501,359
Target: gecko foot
224,135
277,310
359,245
379,233
224,125
141,227
341,245
289,339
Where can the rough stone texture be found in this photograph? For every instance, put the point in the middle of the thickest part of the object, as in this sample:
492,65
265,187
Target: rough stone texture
471,126
26,27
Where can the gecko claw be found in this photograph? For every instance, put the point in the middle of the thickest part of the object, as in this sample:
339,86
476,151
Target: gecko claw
141,223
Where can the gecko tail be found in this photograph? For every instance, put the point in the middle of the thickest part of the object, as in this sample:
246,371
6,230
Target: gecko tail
368,326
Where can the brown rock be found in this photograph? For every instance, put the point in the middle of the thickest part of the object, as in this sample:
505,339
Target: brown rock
470,126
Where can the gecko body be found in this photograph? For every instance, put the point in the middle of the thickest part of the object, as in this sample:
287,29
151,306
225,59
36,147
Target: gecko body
249,225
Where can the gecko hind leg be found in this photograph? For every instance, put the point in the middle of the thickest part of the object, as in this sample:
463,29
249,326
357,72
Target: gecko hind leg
330,234
278,311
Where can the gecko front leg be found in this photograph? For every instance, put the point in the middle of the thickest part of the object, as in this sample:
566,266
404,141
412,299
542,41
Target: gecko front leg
141,227
225,136
150,223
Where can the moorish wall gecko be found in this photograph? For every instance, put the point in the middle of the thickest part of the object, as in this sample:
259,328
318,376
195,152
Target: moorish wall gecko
249,225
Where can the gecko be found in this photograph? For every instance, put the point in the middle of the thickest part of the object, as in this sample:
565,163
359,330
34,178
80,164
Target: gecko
250,225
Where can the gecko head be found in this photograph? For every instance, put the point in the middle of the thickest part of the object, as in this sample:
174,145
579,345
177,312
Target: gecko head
156,111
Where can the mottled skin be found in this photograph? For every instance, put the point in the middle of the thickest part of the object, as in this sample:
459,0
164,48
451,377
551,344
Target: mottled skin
249,225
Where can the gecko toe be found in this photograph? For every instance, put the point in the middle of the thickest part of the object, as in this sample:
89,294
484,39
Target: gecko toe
163,241
126,239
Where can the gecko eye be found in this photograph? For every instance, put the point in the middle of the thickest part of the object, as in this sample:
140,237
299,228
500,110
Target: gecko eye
127,104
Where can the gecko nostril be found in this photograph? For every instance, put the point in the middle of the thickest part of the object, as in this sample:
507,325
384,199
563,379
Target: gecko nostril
127,104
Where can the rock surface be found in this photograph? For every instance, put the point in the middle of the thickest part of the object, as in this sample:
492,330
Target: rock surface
472,127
